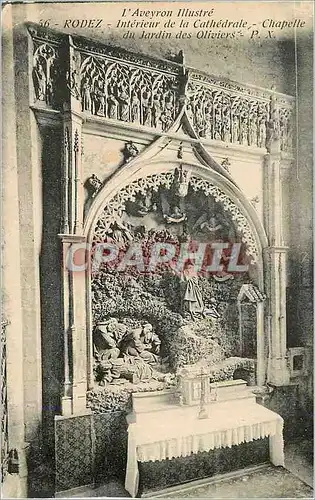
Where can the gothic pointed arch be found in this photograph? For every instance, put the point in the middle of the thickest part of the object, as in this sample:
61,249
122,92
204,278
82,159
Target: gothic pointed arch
109,203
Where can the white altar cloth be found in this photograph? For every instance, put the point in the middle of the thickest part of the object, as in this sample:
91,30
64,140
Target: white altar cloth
178,432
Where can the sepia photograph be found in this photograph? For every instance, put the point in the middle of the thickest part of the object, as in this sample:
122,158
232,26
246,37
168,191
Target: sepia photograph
157,249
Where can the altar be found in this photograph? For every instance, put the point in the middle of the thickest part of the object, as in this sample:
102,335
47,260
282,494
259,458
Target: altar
160,429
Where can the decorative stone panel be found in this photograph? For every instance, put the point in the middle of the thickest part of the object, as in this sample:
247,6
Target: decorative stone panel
116,84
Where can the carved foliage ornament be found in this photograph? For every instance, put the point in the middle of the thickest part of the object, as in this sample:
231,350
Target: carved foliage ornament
114,209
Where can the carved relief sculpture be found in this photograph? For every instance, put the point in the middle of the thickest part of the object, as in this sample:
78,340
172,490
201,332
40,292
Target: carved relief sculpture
124,105
133,94
95,183
135,108
40,81
167,115
226,124
244,126
262,134
44,74
73,83
208,119
253,132
86,96
151,341
100,98
191,297
106,339
113,210
112,106
285,129
119,233
141,90
130,151
226,164
123,353
273,129
156,110
235,128
73,77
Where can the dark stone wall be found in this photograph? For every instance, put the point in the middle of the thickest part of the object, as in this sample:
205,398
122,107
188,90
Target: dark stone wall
298,417
50,279
300,319
301,208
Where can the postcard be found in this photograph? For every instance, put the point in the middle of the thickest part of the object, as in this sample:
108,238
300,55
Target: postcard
157,328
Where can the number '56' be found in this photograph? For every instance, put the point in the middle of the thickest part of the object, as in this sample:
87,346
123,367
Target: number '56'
44,23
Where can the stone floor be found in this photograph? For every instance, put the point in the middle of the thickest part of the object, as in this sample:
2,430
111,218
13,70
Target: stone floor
299,460
275,484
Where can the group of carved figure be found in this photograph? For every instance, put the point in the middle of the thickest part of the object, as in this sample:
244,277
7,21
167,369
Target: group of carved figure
132,354
242,126
125,353
119,102
221,123
231,119
153,101
170,204
192,304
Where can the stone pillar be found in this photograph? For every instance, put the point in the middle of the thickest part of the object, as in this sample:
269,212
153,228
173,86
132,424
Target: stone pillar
73,192
275,258
29,172
74,325
261,366
11,274
73,195
79,343
73,244
275,261
260,335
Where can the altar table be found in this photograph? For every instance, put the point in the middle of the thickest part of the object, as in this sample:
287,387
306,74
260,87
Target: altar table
177,432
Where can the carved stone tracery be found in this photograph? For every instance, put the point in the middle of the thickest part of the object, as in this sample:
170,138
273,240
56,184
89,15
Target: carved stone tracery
119,85
116,84
44,73
228,115
121,91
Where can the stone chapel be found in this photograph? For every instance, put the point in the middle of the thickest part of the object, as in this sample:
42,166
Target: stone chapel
123,171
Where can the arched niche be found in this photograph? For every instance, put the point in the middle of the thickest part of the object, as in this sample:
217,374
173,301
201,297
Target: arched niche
135,178
131,179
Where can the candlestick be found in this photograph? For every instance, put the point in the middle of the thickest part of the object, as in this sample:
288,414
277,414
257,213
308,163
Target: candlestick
202,409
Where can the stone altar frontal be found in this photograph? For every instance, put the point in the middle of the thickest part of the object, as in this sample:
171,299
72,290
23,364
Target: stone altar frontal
165,430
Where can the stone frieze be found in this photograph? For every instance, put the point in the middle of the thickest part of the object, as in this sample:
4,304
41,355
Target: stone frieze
117,84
